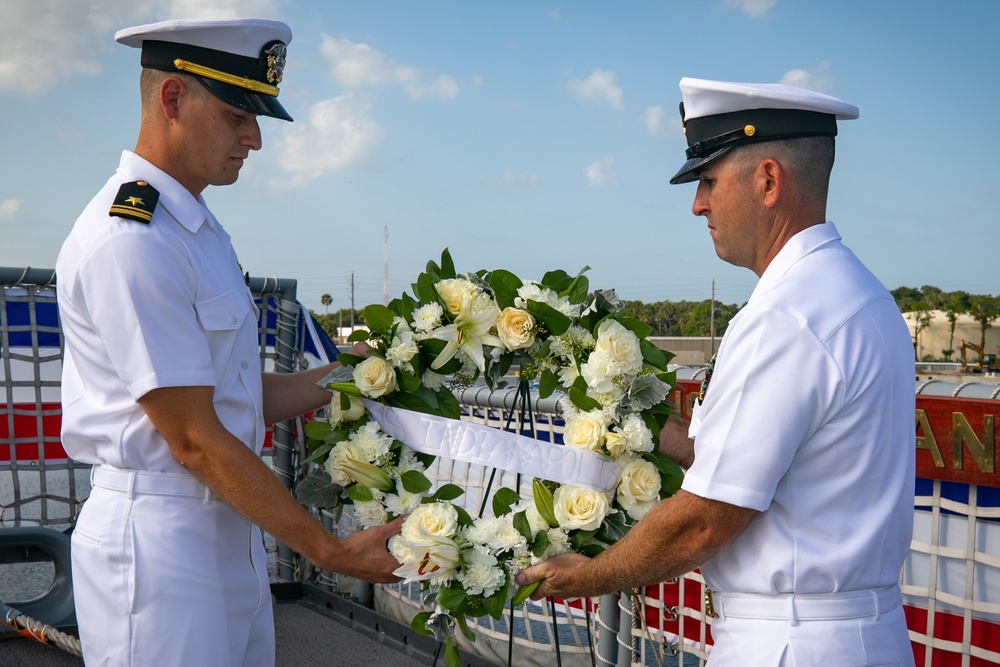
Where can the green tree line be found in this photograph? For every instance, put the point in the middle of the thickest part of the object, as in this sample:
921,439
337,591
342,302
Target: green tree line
983,308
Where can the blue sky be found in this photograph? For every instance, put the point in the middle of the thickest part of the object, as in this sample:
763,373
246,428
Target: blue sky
525,135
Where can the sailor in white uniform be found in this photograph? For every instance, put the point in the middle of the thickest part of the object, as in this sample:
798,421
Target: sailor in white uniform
162,389
797,504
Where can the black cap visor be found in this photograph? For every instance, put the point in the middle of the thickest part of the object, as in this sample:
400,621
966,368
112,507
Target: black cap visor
689,171
241,98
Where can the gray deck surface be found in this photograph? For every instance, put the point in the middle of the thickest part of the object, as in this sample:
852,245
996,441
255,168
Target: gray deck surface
307,635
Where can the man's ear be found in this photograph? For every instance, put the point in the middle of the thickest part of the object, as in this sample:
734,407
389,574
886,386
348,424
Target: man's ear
171,91
771,179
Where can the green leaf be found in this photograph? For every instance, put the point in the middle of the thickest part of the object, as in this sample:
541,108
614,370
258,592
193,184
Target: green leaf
671,474
424,288
653,356
522,526
503,499
582,401
451,655
557,280
448,492
495,604
547,383
359,334
448,405
505,285
638,327
317,430
452,597
551,319
464,627
591,550
581,537
447,264
359,494
578,289
541,544
319,490
463,517
613,527
348,359
422,400
524,592
407,382
379,318
419,623
415,481
543,502
319,453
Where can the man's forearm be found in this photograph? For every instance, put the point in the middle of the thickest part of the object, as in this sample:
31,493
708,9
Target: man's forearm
675,443
288,395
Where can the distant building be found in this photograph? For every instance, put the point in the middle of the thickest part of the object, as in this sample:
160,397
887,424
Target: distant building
932,341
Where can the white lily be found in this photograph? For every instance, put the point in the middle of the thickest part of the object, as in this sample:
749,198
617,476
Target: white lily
435,558
469,332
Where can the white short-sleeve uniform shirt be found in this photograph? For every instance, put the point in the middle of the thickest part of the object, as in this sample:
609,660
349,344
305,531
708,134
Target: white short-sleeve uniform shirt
145,306
808,418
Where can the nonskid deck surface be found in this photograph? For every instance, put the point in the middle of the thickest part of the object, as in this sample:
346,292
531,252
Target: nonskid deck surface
305,637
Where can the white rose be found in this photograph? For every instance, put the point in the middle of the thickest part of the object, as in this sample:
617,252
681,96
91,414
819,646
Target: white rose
639,488
516,328
336,461
437,520
375,377
586,430
454,291
577,507
352,414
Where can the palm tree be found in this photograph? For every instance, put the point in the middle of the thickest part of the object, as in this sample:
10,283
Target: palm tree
326,300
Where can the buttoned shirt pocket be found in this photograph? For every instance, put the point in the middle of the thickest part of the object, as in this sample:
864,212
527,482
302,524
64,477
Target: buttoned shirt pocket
231,336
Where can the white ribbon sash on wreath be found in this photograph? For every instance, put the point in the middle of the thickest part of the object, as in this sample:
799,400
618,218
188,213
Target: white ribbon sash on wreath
493,448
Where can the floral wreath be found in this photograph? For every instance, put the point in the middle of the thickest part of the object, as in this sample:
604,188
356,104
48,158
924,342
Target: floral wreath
455,330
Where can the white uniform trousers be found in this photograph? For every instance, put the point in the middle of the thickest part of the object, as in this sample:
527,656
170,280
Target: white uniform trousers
863,629
165,574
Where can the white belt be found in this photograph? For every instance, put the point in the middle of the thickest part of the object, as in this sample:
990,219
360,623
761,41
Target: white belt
132,482
809,607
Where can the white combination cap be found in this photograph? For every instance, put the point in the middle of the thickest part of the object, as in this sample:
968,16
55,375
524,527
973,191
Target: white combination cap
720,115
241,61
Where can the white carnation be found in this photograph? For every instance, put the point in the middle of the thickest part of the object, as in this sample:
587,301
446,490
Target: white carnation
369,513
370,442
403,503
616,355
426,318
479,574
432,380
541,294
400,354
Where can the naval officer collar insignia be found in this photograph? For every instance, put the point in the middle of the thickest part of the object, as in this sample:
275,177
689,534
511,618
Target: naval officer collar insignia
135,201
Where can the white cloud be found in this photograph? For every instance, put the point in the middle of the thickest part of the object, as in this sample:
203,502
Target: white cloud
814,79
752,8
599,173
598,87
336,134
653,119
514,183
45,41
9,208
358,65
